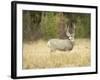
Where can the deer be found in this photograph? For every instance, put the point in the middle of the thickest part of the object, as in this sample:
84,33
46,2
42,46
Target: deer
63,44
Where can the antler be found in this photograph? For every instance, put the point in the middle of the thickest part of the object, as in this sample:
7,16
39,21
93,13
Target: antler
67,32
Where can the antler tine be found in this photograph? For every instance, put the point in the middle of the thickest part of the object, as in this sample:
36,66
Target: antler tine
67,31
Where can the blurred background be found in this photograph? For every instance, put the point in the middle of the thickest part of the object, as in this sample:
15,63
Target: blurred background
45,25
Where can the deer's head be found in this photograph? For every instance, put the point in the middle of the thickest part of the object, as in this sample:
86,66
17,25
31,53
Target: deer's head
70,32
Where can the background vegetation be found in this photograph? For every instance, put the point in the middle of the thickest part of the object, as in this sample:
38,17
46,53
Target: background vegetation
46,25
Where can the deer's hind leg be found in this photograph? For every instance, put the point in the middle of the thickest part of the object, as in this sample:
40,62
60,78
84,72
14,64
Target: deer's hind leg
52,49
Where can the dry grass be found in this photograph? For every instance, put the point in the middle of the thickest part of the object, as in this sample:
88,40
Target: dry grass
37,55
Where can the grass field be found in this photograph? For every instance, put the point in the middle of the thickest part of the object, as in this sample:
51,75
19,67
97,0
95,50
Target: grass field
38,55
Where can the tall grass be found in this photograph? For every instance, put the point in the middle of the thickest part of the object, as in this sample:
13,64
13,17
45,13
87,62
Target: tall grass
38,55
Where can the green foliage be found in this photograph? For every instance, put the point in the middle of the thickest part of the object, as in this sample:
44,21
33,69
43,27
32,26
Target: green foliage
49,24
83,26
46,25
31,25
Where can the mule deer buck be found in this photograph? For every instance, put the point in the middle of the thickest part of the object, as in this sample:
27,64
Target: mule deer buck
63,44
